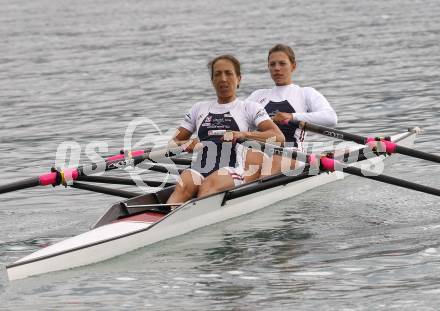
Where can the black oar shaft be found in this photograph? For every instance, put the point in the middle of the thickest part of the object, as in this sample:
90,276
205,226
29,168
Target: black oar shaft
105,190
418,154
391,180
22,184
328,131
163,169
121,181
181,161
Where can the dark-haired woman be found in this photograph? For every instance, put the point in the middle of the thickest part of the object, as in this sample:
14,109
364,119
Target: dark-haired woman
220,162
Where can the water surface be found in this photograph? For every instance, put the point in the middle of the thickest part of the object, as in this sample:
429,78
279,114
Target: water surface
81,71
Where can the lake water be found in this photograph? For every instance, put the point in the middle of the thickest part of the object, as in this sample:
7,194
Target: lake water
82,71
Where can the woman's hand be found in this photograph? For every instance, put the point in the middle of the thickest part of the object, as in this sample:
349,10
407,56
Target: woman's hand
234,135
192,145
281,116
182,139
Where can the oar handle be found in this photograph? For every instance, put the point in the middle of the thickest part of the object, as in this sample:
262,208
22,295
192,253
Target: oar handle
121,156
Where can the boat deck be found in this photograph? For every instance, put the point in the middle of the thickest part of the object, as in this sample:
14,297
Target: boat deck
149,217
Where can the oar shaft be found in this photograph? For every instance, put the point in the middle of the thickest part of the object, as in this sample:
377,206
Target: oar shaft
417,154
332,165
23,184
105,190
181,161
163,169
328,131
387,146
391,180
121,181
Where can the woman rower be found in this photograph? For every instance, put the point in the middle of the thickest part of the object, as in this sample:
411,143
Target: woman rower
219,163
288,101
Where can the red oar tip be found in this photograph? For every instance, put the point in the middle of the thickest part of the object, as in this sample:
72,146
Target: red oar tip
327,164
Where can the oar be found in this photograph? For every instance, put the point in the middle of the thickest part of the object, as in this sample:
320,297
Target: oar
325,163
70,174
121,181
163,168
22,184
121,155
379,144
105,190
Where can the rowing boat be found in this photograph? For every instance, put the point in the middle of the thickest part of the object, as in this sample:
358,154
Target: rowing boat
144,219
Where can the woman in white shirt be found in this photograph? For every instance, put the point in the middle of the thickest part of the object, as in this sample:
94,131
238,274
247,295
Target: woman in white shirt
288,101
219,163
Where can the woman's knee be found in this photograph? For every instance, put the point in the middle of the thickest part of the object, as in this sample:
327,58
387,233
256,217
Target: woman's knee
189,182
253,165
216,182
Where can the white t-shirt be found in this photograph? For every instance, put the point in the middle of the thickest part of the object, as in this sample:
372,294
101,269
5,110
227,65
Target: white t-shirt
247,114
206,117
305,103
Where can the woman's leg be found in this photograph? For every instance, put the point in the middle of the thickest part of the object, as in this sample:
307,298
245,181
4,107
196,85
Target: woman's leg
187,187
218,181
280,164
253,164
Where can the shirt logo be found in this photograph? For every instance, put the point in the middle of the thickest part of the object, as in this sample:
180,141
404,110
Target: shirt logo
218,122
261,113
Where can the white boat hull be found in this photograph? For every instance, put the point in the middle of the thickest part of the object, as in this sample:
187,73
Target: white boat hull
117,238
